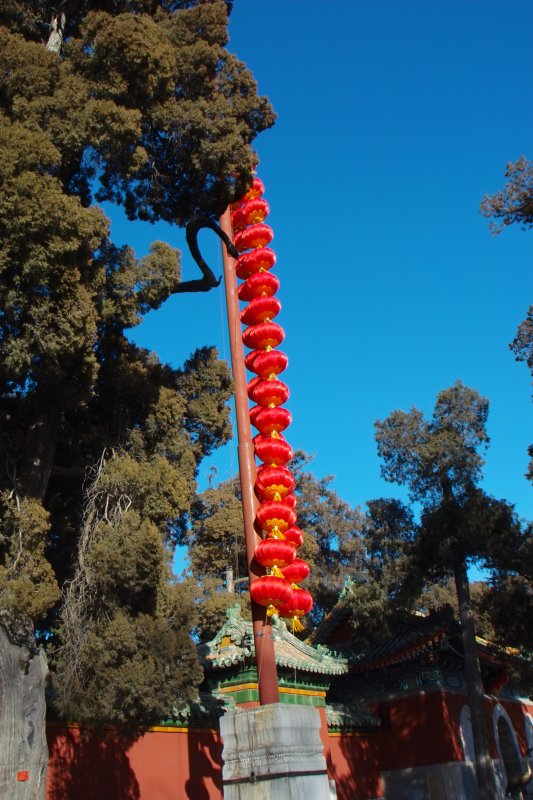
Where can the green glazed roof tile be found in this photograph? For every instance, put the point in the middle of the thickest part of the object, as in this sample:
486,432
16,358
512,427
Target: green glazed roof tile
234,644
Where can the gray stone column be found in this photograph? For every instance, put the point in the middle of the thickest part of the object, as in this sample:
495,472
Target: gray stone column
273,752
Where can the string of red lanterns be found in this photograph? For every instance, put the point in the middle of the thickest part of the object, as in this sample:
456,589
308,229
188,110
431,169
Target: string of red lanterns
278,590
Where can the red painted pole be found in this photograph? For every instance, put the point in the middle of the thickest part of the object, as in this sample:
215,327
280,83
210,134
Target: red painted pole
267,677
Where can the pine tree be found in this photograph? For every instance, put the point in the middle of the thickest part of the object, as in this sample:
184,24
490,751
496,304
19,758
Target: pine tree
140,104
511,601
332,542
385,584
440,462
514,205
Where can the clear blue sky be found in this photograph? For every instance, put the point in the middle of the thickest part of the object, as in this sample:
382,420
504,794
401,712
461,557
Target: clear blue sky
394,120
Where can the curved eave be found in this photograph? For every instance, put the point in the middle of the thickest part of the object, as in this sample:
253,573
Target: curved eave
321,668
405,654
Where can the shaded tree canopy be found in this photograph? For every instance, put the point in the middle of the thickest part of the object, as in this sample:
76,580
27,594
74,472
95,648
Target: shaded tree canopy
440,461
382,587
514,203
522,344
146,99
522,347
437,459
409,567
100,444
332,543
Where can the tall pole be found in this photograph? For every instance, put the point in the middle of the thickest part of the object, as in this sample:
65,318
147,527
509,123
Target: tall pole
267,677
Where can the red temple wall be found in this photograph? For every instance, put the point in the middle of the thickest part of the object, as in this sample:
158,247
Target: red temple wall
177,764
164,764
412,736
355,765
518,712
419,730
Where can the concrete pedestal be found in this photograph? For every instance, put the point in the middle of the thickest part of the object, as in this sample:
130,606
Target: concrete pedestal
273,752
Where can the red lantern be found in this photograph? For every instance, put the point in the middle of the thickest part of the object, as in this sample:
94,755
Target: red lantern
270,420
253,237
270,591
257,261
252,383
267,363
250,212
299,604
290,500
263,335
274,553
260,309
256,189
272,451
268,393
295,536
237,219
260,284
297,571
273,483
273,515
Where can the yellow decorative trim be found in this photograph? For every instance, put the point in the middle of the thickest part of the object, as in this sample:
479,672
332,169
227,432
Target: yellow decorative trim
238,688
310,692
153,729
171,729
282,690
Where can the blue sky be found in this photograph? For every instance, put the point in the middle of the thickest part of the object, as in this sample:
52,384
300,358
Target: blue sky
393,120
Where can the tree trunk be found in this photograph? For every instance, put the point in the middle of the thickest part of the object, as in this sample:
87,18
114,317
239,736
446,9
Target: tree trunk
23,667
40,450
23,747
474,686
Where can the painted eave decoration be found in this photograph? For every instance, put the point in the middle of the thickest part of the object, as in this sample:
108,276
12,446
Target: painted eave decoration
233,644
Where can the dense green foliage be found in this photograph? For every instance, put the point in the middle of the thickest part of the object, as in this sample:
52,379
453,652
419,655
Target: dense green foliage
215,545
440,462
100,444
514,205
522,347
399,578
332,543
390,563
510,601
383,588
437,459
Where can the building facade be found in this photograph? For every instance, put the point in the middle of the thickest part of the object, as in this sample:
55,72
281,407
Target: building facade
395,718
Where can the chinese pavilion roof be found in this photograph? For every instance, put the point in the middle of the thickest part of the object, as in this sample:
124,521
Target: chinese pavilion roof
408,639
234,644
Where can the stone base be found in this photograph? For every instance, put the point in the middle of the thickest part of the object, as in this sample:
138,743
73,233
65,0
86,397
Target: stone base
273,752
